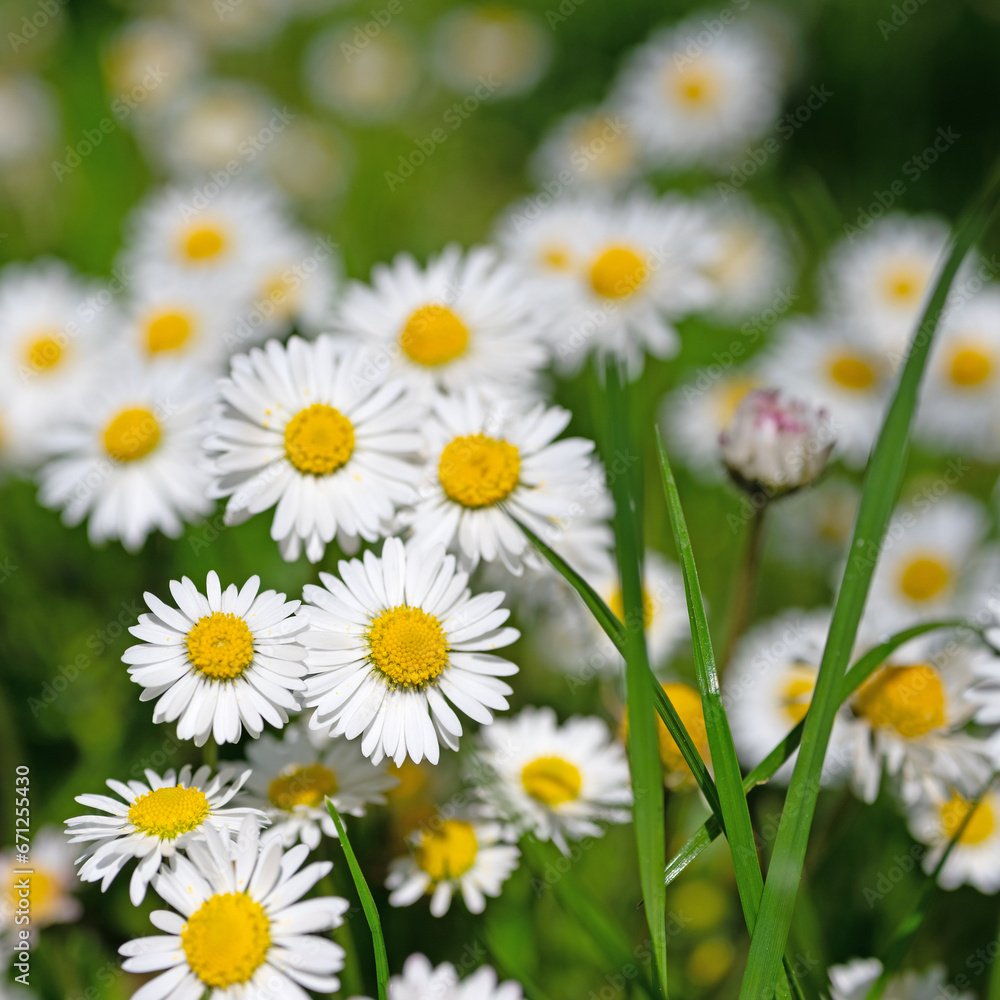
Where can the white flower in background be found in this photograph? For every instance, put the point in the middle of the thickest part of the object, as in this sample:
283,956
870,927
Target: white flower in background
493,465
923,568
151,820
960,399
310,160
816,360
975,860
46,890
558,783
237,926
497,46
394,641
815,525
220,661
420,980
775,443
463,320
696,98
294,776
321,434
855,978
127,457
247,25
465,855
30,116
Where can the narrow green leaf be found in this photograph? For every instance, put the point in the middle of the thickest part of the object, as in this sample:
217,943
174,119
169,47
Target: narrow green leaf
882,484
367,904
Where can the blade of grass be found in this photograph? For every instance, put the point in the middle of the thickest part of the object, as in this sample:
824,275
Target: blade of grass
367,904
882,484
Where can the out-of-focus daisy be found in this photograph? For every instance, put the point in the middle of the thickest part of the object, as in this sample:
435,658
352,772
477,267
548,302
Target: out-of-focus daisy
310,160
237,926
294,776
815,525
491,466
244,25
45,882
975,859
420,980
151,821
816,360
923,567
503,45
593,146
556,782
687,702
219,661
320,433
463,320
465,855
854,979
699,102
127,456
394,641
30,115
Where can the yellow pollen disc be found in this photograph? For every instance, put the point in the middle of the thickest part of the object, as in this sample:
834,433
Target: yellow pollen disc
476,470
556,258
730,395
448,852
618,272
617,605
44,352
851,372
226,939
797,690
303,786
551,780
980,826
923,578
204,243
168,812
132,435
167,331
282,291
434,335
408,646
220,645
687,702
970,365
909,700
319,440
904,284
43,892
694,87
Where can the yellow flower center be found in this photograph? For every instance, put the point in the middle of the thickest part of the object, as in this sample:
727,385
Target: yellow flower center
731,393
551,780
556,258
797,690
971,365
687,702
434,335
226,939
617,605
448,852
693,86
408,646
319,440
203,243
283,292
44,352
220,645
476,470
923,578
980,825
904,284
168,812
302,786
132,435
618,272
167,331
851,372
909,700
43,892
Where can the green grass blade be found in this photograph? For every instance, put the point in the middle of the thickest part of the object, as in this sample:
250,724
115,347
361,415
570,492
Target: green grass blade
367,904
882,484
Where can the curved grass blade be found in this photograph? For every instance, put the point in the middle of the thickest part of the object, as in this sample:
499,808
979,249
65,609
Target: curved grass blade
882,484
367,904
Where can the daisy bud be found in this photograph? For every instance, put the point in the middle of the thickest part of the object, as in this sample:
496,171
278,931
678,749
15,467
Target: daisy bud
776,444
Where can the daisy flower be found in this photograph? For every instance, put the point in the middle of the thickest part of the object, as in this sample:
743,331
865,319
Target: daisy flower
394,638
154,819
219,661
246,26
694,102
452,855
493,465
294,776
854,979
46,882
555,782
319,433
237,926
687,702
420,980
128,455
816,524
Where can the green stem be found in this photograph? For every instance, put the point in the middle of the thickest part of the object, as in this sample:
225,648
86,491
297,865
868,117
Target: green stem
210,753
745,585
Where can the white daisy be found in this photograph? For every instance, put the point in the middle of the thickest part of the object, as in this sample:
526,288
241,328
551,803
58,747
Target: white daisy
815,525
219,661
294,776
854,979
30,113
320,433
555,782
127,456
237,926
491,466
394,638
246,25
311,161
462,854
155,818
41,888
420,980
